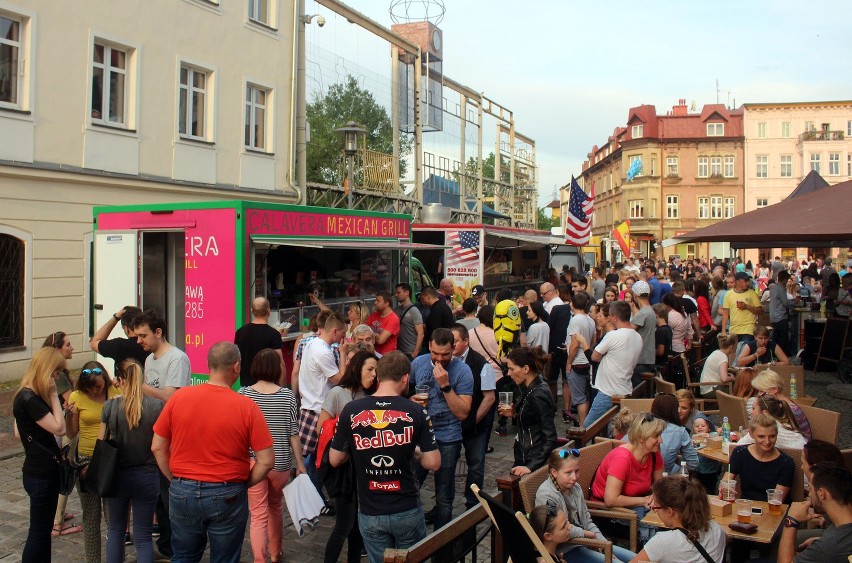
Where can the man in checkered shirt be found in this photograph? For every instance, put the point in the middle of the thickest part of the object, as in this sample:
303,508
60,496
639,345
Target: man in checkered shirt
318,373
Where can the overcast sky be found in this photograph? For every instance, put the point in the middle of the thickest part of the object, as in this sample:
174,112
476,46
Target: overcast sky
570,70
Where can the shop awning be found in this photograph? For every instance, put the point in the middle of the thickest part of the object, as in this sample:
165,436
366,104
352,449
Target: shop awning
522,240
353,244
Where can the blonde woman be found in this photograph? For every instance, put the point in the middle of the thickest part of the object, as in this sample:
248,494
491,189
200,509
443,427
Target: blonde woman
38,418
130,419
772,384
625,475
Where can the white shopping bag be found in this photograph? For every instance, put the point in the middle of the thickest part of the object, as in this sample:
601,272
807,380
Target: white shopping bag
304,503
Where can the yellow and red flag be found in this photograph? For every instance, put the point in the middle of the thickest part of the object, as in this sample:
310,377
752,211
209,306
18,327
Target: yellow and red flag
622,234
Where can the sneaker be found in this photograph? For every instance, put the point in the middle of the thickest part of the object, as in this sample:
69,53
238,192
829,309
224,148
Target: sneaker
155,531
328,510
501,431
127,539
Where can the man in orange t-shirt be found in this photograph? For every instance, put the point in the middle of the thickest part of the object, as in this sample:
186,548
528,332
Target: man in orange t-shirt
201,442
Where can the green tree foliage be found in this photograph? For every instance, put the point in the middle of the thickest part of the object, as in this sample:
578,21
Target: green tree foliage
347,101
544,222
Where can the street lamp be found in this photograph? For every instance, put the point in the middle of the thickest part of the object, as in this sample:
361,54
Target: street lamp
351,132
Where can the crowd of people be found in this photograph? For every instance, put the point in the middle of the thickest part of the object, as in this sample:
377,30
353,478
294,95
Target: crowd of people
376,401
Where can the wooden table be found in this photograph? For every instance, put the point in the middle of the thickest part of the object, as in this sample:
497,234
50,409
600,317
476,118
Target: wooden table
767,524
714,453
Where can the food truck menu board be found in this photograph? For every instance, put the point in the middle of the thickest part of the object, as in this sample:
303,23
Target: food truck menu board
463,262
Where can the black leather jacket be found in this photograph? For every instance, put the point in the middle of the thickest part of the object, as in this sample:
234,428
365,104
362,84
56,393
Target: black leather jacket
536,429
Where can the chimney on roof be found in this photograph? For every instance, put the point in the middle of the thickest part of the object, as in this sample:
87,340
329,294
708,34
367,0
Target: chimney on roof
680,108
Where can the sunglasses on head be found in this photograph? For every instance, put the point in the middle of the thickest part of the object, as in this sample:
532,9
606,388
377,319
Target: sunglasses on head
573,452
92,371
648,417
552,511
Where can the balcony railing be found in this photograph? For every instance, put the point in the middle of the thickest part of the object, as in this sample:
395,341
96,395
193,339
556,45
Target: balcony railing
821,136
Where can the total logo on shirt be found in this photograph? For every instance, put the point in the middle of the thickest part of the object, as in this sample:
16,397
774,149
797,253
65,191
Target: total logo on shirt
386,486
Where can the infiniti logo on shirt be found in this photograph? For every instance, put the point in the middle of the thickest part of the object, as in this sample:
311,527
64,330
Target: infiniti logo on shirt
382,461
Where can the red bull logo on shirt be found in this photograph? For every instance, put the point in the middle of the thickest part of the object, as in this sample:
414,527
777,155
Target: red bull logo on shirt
379,418
383,439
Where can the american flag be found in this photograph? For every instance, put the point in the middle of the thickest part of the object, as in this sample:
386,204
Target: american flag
464,251
578,220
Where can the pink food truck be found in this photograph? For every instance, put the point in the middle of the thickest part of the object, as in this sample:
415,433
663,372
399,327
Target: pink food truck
201,264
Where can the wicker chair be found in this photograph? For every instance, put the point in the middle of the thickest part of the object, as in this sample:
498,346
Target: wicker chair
734,408
637,405
797,491
528,486
590,458
785,372
825,424
664,386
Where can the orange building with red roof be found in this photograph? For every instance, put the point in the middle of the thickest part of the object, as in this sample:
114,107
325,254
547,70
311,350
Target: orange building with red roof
690,176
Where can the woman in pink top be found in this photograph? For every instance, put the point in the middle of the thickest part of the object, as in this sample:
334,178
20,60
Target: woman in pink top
625,475
682,331
482,339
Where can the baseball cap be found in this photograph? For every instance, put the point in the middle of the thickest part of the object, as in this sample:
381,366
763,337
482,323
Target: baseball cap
742,276
477,290
641,288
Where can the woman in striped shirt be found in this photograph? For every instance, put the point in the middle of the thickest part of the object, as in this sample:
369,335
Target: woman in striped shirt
278,406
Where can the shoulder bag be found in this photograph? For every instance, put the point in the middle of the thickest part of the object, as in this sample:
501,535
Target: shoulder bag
503,367
68,472
101,476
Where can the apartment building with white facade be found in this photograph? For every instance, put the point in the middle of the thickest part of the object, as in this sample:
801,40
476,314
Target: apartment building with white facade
785,141
105,102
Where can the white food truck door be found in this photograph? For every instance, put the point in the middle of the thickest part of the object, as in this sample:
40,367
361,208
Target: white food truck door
116,279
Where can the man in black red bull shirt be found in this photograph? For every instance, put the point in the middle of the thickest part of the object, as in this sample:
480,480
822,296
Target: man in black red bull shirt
381,434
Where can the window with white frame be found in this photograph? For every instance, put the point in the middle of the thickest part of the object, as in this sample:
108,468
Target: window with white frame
109,84
761,130
672,207
786,166
762,202
715,165
633,159
730,207
637,131
703,207
762,166
716,207
257,100
192,102
849,164
703,166
635,208
815,159
10,59
834,164
786,129
715,129
259,11
729,167
672,166
809,126
849,128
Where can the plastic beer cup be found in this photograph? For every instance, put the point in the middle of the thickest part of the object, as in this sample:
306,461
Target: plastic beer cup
743,511
421,395
774,499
